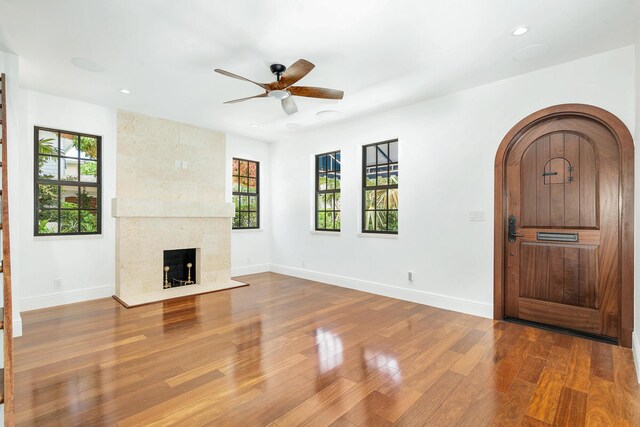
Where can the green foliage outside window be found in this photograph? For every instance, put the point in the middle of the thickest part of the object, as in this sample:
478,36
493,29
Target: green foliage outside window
67,183
246,194
328,178
380,188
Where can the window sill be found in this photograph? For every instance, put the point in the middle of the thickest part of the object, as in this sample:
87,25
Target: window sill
69,237
325,233
247,230
378,235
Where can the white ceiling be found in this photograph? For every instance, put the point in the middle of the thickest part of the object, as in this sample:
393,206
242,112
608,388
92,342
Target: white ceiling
382,53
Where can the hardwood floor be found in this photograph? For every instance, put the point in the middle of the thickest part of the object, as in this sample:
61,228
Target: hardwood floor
286,351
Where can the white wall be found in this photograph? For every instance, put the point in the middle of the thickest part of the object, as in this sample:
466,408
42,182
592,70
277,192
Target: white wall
250,249
447,150
85,265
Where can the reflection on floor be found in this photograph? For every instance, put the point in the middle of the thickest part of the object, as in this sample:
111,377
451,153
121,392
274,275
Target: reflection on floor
294,352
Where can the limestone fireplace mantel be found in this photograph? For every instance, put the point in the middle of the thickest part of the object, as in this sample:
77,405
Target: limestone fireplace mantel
159,207
135,208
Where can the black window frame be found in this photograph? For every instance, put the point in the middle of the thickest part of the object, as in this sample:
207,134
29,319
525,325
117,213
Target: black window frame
336,190
246,193
387,187
62,183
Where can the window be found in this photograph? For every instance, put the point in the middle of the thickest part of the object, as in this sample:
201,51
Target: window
246,194
67,183
380,187
328,191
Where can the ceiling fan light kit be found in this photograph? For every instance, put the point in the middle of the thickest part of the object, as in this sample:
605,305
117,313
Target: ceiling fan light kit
279,94
283,88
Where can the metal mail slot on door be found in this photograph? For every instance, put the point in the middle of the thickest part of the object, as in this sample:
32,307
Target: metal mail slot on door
557,237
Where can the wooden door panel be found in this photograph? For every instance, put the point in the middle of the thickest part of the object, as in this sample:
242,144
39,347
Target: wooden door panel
534,271
516,152
556,273
542,191
608,198
564,178
528,195
572,192
556,183
559,273
553,313
588,277
571,276
588,187
560,198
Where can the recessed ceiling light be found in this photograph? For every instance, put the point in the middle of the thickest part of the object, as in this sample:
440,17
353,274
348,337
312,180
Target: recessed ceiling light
87,65
125,91
329,115
254,125
292,125
518,31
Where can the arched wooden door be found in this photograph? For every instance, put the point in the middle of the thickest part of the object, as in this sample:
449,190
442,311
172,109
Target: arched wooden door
564,183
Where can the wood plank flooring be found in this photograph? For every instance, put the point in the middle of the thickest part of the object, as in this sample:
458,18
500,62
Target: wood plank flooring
287,351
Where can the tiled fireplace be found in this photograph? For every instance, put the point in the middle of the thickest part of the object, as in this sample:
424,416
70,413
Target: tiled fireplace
170,184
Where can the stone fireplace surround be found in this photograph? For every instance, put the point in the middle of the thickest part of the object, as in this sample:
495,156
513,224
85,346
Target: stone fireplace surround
170,193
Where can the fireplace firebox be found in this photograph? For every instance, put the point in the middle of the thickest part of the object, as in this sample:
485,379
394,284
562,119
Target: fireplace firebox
179,268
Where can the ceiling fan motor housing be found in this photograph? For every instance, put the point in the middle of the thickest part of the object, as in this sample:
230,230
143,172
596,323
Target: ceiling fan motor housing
277,69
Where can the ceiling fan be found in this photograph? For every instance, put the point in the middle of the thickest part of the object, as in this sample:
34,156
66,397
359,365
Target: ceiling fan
283,88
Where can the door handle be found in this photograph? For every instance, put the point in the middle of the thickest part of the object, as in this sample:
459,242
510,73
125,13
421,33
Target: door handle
511,229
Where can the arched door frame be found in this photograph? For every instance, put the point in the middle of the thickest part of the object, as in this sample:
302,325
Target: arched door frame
625,146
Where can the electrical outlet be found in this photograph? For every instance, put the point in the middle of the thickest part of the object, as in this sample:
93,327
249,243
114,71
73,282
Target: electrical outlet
304,264
57,284
248,260
410,276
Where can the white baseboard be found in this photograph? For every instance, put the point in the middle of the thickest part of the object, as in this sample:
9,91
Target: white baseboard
65,297
635,346
250,269
414,295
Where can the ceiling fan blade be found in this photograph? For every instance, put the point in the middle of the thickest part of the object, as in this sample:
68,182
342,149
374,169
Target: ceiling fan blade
235,76
262,95
295,72
315,92
289,106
